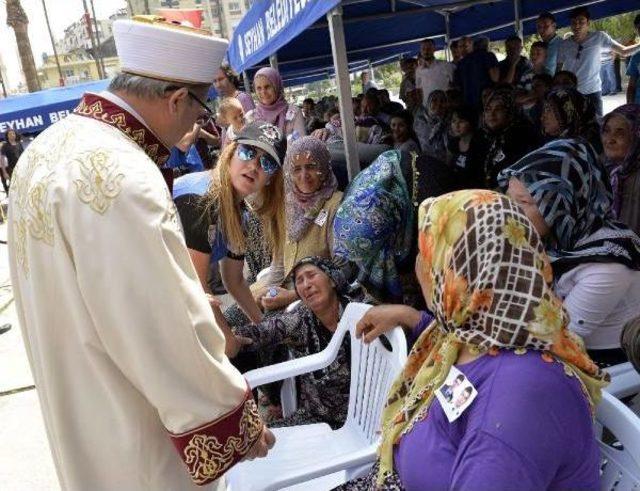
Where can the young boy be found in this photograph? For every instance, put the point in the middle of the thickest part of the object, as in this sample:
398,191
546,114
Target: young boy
230,115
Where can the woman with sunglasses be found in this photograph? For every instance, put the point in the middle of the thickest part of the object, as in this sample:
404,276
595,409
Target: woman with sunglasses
212,207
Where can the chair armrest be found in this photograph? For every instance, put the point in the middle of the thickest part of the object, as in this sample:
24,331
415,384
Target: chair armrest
290,368
340,463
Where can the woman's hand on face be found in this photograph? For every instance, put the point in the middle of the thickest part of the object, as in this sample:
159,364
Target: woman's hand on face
383,318
282,298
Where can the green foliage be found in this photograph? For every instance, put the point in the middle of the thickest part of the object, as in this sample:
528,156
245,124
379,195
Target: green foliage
620,27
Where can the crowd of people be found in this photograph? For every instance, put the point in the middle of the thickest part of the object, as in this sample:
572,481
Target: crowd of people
495,218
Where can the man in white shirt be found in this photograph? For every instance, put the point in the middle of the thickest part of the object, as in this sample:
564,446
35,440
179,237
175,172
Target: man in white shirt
135,388
580,54
433,74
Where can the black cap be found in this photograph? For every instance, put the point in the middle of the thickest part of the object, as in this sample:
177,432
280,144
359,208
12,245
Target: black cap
265,136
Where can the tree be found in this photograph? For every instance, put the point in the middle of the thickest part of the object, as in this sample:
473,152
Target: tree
18,21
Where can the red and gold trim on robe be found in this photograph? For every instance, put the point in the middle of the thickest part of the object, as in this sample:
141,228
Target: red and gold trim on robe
212,449
96,107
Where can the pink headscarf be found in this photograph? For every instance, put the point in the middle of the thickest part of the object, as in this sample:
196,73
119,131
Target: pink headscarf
274,113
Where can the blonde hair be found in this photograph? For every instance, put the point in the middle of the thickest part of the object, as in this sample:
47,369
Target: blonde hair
222,199
226,106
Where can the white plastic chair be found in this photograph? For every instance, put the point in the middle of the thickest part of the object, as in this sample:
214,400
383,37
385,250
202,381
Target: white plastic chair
620,466
316,452
625,380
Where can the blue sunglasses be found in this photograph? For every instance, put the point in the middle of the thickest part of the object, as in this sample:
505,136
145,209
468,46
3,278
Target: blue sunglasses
248,153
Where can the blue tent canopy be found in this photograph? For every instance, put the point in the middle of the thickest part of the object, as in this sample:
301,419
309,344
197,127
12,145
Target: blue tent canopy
32,113
377,29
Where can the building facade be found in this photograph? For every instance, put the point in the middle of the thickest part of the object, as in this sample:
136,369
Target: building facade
77,67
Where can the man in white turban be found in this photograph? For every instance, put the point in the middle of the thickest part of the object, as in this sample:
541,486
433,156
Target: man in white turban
130,366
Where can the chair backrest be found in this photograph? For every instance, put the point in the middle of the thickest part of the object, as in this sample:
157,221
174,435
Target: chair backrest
620,464
373,370
625,380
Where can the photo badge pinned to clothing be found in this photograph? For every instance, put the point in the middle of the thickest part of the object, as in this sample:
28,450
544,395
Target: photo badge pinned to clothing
321,218
456,394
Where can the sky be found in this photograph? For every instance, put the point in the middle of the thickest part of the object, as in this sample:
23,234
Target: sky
62,13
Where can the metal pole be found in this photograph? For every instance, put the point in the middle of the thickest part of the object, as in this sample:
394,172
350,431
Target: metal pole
273,60
336,33
247,82
53,44
87,19
518,21
4,89
447,37
99,48
209,14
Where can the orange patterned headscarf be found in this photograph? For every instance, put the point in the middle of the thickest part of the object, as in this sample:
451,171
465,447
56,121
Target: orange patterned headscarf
488,281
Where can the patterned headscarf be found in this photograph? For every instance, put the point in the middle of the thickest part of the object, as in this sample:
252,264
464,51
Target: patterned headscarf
325,265
302,209
573,195
619,171
373,226
274,113
577,117
489,285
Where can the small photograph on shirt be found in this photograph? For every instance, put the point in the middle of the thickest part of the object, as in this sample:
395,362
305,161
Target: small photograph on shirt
456,394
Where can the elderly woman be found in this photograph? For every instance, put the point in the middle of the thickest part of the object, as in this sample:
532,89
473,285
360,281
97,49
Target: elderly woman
567,113
621,140
504,137
272,106
431,125
227,84
311,201
596,260
307,329
530,423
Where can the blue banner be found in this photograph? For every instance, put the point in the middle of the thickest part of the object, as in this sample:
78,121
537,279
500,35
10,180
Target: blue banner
269,25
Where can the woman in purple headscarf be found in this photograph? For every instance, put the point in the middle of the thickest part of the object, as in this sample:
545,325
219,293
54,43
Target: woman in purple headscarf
272,107
621,141
311,201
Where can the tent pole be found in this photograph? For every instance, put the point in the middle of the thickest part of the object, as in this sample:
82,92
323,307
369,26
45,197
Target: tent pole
447,37
517,8
273,60
247,82
338,48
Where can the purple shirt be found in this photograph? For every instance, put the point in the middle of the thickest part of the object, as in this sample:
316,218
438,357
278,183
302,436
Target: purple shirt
529,428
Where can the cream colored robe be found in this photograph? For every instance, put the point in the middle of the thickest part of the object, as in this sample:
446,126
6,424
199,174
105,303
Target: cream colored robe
126,356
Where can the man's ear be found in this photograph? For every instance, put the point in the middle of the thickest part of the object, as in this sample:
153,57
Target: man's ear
176,98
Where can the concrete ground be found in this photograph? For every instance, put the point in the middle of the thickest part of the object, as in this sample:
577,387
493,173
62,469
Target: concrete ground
25,459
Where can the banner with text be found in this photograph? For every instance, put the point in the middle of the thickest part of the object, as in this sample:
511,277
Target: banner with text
269,25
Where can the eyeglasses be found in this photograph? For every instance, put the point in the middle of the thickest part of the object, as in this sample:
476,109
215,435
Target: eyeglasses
247,153
203,119
580,47
311,168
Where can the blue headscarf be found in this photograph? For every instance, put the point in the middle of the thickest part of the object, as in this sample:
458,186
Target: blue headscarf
373,227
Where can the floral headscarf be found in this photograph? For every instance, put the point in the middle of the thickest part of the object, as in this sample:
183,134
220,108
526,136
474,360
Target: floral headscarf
301,208
619,171
573,195
373,227
490,288
325,265
574,112
274,113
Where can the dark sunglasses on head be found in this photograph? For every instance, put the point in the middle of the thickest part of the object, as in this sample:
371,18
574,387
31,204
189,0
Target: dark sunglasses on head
247,153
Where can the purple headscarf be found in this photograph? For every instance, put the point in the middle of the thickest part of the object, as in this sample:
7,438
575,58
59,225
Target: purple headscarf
620,170
301,208
274,113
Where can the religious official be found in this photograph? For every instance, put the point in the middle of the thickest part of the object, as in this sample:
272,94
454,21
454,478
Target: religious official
134,384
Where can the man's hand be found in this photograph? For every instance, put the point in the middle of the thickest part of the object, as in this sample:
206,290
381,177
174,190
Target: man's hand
322,134
262,446
383,318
